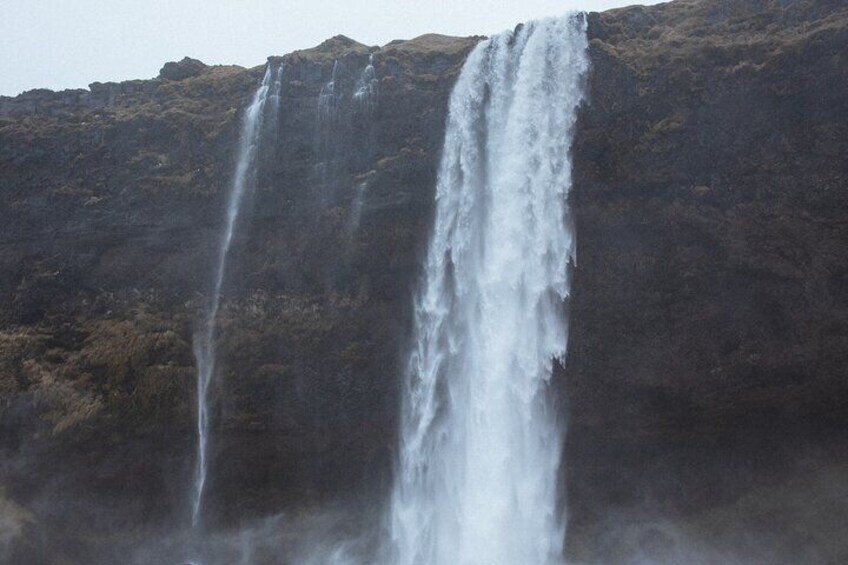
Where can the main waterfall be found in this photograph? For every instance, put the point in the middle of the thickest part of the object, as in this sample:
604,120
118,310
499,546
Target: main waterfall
263,107
480,440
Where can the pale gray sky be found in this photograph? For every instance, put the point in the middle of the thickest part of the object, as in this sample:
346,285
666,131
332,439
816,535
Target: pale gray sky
70,43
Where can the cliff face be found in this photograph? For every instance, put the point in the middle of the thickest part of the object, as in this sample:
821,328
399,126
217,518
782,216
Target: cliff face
112,206
706,369
709,322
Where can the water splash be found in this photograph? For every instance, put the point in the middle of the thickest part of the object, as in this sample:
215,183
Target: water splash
264,107
480,441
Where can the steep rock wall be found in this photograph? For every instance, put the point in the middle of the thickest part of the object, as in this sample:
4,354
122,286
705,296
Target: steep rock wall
709,324
707,358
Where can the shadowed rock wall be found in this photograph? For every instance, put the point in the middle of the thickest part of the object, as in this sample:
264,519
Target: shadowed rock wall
709,322
706,368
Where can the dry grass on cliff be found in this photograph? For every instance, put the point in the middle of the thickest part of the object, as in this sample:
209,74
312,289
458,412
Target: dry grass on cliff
128,370
713,32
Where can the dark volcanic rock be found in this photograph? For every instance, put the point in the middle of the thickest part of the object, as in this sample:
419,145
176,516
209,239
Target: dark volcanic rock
179,70
709,340
112,215
709,320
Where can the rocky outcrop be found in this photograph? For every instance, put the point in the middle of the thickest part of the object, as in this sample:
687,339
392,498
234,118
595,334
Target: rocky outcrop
709,322
183,69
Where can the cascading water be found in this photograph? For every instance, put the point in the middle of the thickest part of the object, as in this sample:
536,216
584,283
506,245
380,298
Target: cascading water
263,107
364,100
345,133
328,100
365,95
480,441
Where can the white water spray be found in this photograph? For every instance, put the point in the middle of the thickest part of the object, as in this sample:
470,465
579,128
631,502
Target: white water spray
264,106
328,100
367,89
480,442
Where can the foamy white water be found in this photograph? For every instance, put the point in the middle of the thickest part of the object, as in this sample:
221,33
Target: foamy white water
264,106
481,443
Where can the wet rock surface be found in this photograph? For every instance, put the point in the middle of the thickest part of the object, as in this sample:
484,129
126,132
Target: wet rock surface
112,218
709,322
708,343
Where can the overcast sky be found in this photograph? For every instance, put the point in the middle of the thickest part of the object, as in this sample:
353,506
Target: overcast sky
70,43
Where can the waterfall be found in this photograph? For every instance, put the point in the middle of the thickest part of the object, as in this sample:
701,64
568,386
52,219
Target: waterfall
365,94
328,100
263,107
480,441
345,134
356,205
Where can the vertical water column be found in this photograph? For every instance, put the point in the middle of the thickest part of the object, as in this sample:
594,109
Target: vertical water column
263,108
330,140
367,89
481,444
365,97
328,100
345,134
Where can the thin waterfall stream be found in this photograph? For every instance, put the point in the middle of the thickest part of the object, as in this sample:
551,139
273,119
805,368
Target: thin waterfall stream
481,442
263,107
481,436
367,88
